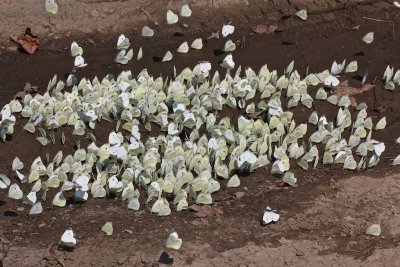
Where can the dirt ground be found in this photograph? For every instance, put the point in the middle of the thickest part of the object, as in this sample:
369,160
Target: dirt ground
323,219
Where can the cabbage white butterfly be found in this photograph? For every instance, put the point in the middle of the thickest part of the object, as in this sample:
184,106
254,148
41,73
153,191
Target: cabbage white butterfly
67,239
147,32
167,57
270,216
183,48
172,18
140,54
15,192
186,11
123,57
331,81
79,62
174,241
227,30
302,14
228,62
197,44
368,38
76,50
123,42
229,46
4,181
17,164
51,6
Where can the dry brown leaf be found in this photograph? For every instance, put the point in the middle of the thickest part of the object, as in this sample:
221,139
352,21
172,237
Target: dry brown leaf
28,89
344,89
380,109
214,35
265,29
27,41
206,211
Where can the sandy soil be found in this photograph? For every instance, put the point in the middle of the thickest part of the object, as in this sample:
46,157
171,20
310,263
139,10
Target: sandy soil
323,220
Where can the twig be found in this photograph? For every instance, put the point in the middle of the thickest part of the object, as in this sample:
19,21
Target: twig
52,253
145,13
382,20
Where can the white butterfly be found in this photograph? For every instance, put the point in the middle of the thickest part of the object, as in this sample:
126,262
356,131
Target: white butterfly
31,198
174,241
227,30
379,147
228,62
123,57
123,42
17,164
76,50
183,48
135,132
172,18
331,81
368,38
147,32
67,239
270,216
80,62
140,54
337,68
396,4
5,112
15,192
172,130
51,6
197,44
82,182
167,57
4,181
114,185
113,139
205,66
186,11
302,14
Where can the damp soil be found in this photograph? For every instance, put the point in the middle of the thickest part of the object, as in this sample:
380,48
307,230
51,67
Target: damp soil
313,45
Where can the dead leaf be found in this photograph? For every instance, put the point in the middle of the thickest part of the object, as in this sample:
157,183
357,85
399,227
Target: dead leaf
280,184
214,35
28,89
239,194
380,109
206,211
344,89
265,29
27,41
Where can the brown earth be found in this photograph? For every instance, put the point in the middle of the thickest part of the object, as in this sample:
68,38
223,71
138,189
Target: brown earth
323,219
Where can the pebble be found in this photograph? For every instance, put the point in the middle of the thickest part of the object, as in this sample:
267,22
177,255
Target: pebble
94,13
299,253
20,209
239,194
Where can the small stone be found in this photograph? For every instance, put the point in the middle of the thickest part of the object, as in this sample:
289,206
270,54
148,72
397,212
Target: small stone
239,194
299,253
20,209
94,13
185,25
42,225
12,49
129,231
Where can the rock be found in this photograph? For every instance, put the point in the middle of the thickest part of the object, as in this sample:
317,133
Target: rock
299,253
239,194
94,13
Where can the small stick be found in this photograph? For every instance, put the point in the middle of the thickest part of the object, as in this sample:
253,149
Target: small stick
382,20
